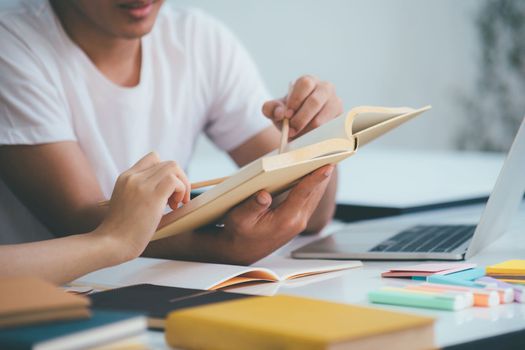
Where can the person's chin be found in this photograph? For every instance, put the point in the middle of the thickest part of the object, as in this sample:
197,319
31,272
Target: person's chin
137,22
135,31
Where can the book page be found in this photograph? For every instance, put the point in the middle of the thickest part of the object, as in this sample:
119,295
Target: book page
195,275
338,128
171,273
356,120
365,131
365,117
287,268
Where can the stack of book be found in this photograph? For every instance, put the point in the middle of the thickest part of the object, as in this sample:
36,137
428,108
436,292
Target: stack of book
27,300
35,314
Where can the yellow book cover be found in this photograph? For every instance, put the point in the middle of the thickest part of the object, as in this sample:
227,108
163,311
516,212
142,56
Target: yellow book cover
290,323
509,267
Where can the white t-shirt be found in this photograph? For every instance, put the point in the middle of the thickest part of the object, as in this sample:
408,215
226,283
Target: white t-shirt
195,77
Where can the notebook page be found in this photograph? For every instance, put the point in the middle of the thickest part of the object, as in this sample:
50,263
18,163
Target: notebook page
171,273
286,268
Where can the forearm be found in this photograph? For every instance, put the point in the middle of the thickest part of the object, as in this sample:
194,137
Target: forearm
59,260
76,220
326,208
56,183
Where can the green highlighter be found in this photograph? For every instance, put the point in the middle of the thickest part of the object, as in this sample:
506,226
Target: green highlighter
416,299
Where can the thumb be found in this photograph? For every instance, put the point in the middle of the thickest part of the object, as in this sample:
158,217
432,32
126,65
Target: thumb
252,209
274,110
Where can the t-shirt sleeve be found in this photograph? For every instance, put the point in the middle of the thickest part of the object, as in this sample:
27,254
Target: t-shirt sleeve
238,92
31,109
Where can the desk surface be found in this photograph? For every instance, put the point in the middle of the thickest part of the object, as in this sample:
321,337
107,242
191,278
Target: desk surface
352,286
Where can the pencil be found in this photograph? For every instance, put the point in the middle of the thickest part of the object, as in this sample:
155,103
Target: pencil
284,134
194,186
207,183
285,128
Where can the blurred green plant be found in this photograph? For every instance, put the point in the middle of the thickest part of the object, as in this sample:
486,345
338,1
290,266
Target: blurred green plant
497,106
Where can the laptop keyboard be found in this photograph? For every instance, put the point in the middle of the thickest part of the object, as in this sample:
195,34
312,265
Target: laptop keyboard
423,238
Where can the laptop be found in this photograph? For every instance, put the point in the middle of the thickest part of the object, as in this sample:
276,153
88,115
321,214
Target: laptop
443,240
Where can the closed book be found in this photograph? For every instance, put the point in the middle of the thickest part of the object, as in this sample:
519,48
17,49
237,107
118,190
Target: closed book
508,269
102,328
288,322
27,300
156,302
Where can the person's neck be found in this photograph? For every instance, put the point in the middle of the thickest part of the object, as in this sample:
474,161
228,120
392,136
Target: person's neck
118,59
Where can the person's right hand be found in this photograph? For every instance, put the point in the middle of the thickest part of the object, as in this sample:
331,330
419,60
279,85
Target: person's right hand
138,202
253,229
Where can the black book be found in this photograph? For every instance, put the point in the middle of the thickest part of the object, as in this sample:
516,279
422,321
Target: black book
156,302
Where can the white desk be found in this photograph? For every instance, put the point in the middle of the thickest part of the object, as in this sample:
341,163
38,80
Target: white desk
352,286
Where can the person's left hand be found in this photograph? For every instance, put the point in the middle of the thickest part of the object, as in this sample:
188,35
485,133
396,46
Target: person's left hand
309,104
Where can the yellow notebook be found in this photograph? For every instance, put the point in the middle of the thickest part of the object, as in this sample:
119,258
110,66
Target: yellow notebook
509,267
508,271
293,323
328,144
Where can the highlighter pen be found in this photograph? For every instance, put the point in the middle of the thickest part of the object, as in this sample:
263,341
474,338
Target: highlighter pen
468,274
467,295
461,298
453,281
482,297
423,300
503,288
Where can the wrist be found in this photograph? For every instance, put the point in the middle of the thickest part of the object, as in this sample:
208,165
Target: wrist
108,248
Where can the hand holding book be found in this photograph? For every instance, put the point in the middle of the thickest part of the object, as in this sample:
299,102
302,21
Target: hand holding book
329,144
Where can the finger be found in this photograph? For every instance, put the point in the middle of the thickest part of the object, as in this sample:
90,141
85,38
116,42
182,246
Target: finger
153,170
327,113
172,166
249,212
305,196
274,109
302,88
177,195
169,187
145,162
187,195
158,173
313,104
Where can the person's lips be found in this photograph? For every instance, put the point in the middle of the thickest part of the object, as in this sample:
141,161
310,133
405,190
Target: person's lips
137,9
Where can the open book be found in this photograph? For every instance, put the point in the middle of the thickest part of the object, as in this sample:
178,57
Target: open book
328,144
195,275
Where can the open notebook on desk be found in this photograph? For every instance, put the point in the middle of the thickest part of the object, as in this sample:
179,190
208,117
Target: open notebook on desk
195,275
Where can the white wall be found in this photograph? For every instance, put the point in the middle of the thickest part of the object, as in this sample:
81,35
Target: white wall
379,52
